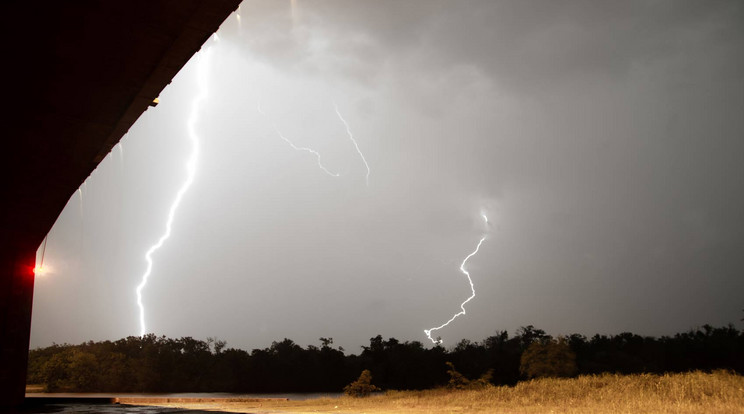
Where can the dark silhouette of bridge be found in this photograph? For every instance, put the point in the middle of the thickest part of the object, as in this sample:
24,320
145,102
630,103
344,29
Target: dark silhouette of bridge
78,74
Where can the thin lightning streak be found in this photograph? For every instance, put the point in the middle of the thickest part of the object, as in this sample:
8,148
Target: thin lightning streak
351,137
80,193
295,147
472,290
191,171
81,247
82,215
40,270
43,251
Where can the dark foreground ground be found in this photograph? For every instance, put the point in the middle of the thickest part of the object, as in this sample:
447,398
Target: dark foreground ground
103,409
112,405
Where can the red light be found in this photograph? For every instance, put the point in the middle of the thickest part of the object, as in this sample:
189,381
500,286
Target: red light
41,270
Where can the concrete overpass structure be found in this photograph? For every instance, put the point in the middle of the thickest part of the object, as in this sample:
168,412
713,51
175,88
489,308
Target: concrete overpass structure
78,75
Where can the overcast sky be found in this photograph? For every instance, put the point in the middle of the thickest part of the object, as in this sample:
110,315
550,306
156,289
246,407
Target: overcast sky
603,139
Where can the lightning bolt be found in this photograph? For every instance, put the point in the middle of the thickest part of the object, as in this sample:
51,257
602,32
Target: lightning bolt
80,193
472,290
82,224
351,137
190,173
295,147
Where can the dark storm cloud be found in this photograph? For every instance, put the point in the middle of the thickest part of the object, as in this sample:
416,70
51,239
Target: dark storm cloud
531,44
604,139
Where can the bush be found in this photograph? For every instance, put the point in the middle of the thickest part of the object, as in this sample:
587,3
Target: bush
362,387
549,358
460,382
457,381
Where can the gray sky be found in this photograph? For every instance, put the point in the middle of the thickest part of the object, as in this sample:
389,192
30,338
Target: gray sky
603,139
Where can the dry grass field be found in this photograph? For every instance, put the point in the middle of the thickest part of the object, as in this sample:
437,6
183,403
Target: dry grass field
697,392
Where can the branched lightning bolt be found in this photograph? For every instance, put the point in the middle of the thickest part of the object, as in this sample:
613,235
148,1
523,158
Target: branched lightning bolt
295,147
472,290
190,173
351,137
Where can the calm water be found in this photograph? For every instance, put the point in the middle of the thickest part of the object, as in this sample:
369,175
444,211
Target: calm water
291,396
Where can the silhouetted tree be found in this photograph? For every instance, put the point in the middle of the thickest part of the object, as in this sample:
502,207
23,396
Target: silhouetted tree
160,364
529,334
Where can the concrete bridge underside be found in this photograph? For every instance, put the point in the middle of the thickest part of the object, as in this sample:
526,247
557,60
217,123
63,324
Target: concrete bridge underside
77,76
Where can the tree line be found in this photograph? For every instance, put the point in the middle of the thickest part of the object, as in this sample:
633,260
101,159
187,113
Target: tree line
159,364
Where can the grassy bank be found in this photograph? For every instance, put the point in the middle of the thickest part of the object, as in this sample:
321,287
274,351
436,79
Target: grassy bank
697,392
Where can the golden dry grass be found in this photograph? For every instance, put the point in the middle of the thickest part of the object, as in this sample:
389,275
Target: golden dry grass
696,392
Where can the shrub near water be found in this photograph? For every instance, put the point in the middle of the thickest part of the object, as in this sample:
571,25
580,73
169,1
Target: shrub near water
362,387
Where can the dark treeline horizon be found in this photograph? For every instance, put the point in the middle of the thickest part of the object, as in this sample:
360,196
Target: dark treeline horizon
160,364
